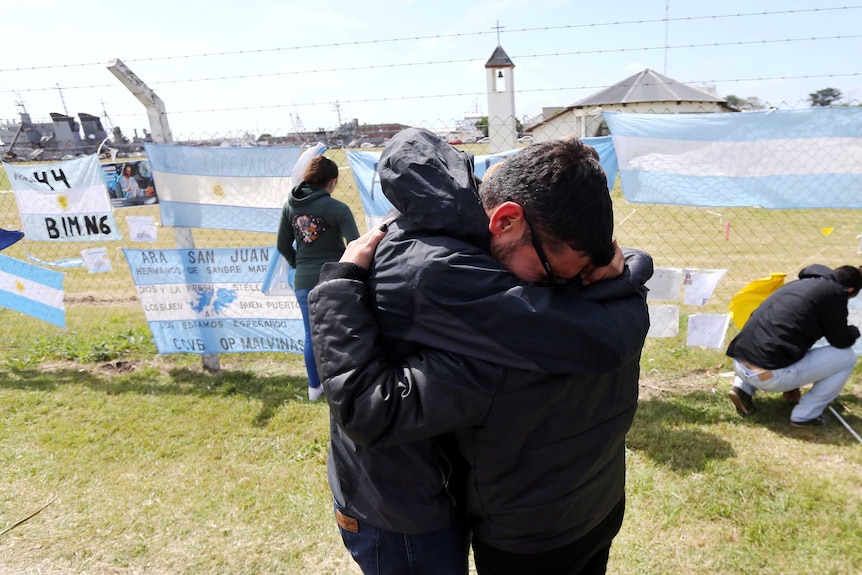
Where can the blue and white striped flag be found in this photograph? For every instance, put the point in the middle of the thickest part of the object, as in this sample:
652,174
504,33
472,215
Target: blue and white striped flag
66,201
32,290
222,188
785,159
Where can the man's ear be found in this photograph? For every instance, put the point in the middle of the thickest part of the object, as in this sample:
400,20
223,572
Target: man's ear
505,218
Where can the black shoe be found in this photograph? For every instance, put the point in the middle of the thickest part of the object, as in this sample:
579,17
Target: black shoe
742,401
793,396
814,422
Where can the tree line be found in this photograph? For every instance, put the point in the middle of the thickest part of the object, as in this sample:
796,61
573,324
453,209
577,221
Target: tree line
824,97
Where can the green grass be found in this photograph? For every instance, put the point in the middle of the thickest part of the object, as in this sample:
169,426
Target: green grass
160,467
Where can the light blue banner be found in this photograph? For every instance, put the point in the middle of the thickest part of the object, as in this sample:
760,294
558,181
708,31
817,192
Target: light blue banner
209,301
223,188
275,161
776,159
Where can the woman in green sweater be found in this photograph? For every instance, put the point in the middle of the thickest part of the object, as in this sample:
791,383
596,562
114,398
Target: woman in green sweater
321,227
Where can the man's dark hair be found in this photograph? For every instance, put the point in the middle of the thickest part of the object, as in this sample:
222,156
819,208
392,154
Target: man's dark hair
563,190
849,276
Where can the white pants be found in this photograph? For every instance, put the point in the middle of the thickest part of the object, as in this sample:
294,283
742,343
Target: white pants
828,367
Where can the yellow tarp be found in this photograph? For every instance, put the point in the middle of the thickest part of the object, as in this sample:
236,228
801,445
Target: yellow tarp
751,296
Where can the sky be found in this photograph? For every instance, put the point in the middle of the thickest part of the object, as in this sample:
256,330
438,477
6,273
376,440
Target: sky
275,66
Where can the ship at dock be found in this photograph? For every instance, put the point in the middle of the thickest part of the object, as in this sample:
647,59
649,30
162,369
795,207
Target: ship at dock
63,138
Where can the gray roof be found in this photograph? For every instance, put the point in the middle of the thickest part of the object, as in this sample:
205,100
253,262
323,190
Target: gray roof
647,86
499,59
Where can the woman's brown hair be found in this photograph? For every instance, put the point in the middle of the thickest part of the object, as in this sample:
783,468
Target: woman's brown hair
321,170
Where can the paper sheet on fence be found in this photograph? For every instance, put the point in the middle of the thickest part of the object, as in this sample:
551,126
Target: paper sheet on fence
707,330
665,284
699,285
65,201
807,158
142,229
96,260
209,301
663,320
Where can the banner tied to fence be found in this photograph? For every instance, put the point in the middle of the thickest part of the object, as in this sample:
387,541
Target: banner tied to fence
209,301
777,159
64,201
222,188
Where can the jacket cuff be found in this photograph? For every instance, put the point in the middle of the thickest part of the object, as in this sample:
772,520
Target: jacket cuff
342,270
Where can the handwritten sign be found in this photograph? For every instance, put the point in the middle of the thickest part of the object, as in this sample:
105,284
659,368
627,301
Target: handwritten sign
209,301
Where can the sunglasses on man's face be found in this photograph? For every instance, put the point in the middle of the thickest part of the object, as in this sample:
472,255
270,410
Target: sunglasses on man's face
551,279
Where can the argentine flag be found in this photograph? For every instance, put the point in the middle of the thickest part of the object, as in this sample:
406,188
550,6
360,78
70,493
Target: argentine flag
222,187
32,290
65,201
780,159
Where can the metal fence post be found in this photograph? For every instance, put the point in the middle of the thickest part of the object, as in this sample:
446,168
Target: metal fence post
161,133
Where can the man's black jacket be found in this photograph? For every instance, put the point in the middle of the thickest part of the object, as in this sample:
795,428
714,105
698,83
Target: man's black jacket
785,326
538,386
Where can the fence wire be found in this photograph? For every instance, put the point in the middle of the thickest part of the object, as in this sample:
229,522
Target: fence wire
749,242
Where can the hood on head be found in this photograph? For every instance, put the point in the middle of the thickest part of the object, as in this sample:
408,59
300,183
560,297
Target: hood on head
433,185
817,271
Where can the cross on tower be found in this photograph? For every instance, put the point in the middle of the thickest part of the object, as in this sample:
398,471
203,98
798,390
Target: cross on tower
497,28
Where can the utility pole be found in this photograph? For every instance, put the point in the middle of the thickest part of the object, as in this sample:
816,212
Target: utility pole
62,101
337,107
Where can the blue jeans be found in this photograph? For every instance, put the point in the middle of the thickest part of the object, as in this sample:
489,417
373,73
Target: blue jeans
310,366
381,552
828,367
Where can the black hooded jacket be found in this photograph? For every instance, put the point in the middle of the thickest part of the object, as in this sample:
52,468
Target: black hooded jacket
785,326
537,386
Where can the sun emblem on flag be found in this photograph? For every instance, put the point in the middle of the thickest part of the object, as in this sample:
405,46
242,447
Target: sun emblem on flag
19,286
218,191
63,201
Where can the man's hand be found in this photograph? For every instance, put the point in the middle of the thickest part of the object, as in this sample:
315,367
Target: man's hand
361,250
591,274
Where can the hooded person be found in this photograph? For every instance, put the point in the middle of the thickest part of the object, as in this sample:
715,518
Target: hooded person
464,398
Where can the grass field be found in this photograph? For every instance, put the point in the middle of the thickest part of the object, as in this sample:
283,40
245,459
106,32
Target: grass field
152,465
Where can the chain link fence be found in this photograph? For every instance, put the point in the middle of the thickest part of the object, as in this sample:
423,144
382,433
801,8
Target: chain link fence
748,242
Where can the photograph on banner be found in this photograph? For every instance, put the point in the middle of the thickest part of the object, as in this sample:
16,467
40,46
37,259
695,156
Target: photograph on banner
209,301
130,183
